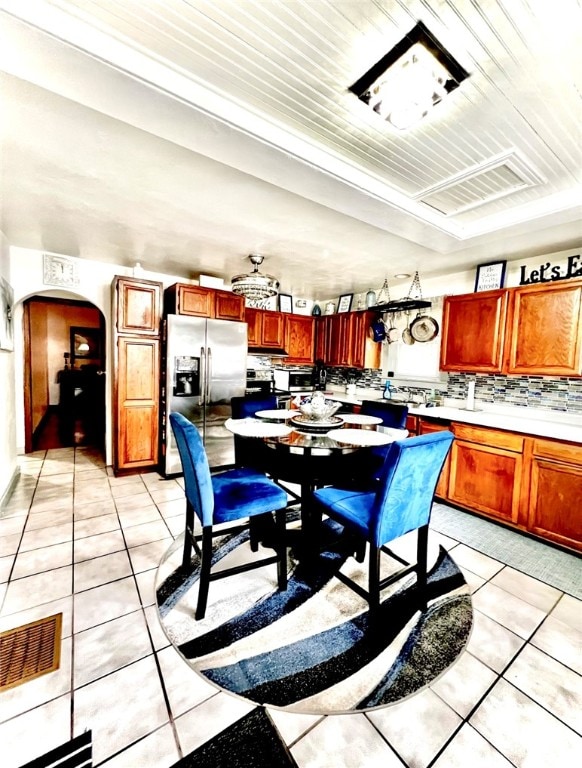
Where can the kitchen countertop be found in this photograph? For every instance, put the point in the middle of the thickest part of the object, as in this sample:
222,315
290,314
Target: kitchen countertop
557,425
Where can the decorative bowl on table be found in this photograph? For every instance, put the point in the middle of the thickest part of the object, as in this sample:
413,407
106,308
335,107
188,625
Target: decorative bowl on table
319,408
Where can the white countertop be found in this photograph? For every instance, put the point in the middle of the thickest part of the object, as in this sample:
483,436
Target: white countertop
531,421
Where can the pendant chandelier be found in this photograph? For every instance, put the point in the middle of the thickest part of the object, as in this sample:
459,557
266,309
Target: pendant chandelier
255,286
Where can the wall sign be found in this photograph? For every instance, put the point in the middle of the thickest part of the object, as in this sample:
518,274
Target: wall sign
546,272
490,276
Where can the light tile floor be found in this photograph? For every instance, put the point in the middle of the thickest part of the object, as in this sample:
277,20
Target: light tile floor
74,539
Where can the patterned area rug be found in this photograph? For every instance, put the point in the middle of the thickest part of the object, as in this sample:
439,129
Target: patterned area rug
313,649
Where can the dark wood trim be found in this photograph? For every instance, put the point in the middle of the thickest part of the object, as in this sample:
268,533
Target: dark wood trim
27,383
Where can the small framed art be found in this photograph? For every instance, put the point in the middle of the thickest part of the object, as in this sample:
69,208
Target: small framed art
85,343
345,302
285,302
490,276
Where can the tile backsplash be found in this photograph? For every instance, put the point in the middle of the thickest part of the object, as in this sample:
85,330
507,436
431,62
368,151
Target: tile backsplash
558,394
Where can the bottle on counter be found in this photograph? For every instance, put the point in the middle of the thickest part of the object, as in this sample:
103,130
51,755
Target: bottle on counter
387,394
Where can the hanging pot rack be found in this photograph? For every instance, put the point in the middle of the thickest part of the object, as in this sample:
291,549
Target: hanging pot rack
414,300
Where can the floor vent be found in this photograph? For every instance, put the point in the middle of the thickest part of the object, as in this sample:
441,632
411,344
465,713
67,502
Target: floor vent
490,181
30,651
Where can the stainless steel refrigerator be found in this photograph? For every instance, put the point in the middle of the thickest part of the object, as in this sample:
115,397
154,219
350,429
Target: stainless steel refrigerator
206,362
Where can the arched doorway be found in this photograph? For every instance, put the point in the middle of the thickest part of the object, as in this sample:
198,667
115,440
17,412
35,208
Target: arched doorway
64,373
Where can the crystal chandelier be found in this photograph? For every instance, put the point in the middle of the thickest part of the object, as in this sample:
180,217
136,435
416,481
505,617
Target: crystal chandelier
255,286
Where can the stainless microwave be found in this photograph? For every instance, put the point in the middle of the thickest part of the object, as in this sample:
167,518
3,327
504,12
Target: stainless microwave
293,381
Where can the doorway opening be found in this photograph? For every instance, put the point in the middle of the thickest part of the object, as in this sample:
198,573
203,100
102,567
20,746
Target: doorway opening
64,374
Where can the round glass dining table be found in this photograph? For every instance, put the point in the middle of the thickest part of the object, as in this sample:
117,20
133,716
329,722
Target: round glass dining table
312,459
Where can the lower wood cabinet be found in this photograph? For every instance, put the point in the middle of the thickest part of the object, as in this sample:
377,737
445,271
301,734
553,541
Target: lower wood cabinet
554,510
486,471
137,398
425,427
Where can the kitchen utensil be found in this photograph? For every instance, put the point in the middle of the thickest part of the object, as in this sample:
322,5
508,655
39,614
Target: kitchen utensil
392,333
407,336
424,328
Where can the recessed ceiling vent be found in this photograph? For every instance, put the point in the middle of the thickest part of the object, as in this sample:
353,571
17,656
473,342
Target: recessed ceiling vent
490,181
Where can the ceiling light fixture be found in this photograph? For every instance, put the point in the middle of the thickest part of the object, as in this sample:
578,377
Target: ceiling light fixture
402,275
410,79
255,286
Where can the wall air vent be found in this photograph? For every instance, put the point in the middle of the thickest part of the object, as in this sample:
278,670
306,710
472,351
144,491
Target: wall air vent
479,185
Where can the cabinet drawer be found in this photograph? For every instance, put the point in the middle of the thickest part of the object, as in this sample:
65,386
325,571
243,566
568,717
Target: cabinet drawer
551,449
492,437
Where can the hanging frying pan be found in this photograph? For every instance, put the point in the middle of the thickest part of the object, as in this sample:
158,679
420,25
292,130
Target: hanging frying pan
424,328
392,333
407,336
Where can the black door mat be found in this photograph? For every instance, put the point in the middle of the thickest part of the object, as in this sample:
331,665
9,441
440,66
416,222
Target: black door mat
30,651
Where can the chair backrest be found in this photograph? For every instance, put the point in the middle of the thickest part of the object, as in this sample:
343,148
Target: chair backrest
243,407
392,414
197,480
407,483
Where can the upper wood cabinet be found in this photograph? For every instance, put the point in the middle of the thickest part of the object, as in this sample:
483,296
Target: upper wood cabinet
196,301
529,330
544,333
137,306
300,338
344,340
266,328
473,332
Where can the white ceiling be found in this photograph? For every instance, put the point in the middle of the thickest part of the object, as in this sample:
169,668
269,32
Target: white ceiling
186,135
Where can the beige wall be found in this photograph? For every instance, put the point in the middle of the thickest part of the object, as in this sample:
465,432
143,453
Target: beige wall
8,464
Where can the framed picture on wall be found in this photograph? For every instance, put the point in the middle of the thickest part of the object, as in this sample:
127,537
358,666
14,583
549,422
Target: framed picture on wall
85,343
490,276
6,301
345,302
285,302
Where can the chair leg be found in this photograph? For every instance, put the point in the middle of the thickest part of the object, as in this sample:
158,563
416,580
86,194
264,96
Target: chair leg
280,524
374,578
189,538
421,565
204,581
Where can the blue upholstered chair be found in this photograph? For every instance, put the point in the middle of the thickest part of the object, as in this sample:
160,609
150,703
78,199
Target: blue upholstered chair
223,498
401,502
249,453
392,415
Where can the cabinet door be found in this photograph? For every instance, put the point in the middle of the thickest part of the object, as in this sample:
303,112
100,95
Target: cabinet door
273,329
321,326
339,339
137,306
137,384
253,319
299,338
545,332
365,352
195,301
228,306
424,428
474,331
486,478
555,492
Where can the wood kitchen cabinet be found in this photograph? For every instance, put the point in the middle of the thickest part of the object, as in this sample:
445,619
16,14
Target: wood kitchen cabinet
555,492
136,370
544,333
344,340
266,328
486,469
300,338
197,301
529,330
474,331
137,306
424,427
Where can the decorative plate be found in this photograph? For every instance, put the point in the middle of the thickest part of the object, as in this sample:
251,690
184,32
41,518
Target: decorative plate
360,418
312,425
256,428
275,413
360,437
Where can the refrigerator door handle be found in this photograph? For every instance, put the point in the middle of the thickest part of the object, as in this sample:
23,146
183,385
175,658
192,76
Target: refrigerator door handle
208,372
203,377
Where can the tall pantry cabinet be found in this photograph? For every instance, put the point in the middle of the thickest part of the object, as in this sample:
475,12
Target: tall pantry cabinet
137,307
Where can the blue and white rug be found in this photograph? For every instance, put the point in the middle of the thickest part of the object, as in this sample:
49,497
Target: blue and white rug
311,649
